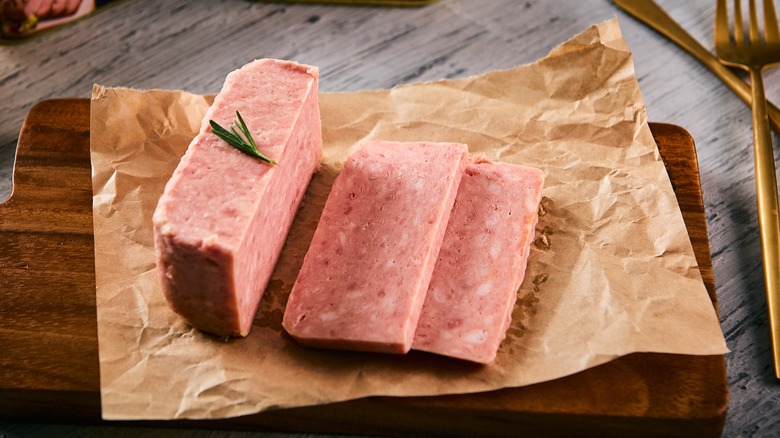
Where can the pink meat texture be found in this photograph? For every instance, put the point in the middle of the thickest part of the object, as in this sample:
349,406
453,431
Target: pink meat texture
19,10
364,278
482,262
224,216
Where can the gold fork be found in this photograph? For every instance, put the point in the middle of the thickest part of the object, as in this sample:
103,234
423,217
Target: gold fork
754,54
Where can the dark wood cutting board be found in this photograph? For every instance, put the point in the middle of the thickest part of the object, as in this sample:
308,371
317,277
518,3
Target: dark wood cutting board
48,337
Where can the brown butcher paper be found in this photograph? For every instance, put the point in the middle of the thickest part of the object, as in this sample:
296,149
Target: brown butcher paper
612,271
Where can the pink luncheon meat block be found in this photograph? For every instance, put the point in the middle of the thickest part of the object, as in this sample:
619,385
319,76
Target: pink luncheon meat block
482,262
220,224
363,281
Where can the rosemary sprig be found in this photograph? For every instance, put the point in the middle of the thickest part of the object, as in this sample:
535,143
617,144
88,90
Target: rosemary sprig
246,145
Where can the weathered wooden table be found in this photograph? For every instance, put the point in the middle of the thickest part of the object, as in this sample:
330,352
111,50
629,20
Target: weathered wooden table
192,45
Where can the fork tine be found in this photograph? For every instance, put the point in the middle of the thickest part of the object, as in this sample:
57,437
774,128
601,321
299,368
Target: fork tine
739,30
770,22
721,24
753,27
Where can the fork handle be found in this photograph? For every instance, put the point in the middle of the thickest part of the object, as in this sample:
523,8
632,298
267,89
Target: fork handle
768,222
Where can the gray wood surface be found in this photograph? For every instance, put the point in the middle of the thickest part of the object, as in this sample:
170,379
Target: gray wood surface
192,45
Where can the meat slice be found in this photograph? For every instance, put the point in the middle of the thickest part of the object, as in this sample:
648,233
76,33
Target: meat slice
220,225
482,262
363,281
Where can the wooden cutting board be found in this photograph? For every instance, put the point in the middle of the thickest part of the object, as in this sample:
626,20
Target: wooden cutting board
48,338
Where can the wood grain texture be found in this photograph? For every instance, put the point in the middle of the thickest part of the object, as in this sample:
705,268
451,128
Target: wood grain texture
191,45
50,368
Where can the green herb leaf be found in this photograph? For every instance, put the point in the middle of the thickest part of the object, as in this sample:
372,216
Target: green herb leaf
246,144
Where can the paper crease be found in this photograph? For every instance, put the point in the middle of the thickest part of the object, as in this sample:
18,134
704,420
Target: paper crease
612,271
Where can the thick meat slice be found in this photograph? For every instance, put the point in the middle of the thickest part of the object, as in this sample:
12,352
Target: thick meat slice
364,278
221,223
482,262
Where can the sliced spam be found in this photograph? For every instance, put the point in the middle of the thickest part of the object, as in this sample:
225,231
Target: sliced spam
482,262
364,278
224,215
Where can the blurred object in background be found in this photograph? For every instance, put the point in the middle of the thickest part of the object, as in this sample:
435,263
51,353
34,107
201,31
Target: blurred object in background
24,18
360,2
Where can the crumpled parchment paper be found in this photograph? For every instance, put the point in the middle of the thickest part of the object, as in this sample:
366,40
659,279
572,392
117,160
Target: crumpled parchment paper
612,271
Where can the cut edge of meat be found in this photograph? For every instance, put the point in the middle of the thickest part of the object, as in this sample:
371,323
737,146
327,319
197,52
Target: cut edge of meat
536,177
